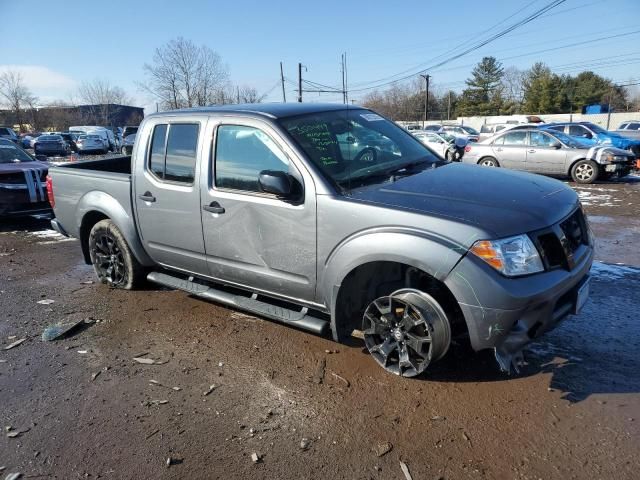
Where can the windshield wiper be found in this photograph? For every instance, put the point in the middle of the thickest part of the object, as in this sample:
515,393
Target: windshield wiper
408,168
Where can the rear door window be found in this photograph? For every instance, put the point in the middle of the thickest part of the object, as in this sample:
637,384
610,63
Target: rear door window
173,152
518,138
182,146
158,149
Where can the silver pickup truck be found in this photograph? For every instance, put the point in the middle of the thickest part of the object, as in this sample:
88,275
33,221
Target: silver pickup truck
275,210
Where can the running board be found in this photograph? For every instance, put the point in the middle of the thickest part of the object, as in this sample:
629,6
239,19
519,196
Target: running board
299,319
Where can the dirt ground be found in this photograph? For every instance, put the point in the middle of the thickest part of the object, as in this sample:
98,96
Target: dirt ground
226,385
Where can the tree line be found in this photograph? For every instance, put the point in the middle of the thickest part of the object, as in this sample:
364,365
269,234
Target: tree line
493,89
180,74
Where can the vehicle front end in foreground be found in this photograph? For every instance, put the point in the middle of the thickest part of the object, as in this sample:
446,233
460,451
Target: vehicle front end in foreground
506,310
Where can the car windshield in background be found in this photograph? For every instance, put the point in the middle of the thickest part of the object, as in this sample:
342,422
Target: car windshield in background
358,147
11,154
469,130
447,137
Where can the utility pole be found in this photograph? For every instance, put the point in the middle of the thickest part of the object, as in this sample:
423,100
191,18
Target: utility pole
299,82
346,80
609,109
284,95
238,93
449,107
344,98
426,98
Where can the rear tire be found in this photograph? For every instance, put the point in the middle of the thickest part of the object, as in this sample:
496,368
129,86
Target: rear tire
488,162
112,259
584,171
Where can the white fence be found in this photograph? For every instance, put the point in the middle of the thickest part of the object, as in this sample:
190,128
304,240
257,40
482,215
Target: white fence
605,120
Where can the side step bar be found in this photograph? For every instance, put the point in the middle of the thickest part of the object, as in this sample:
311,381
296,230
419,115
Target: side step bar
299,319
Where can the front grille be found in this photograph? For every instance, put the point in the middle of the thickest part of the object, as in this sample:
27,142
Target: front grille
559,244
574,229
12,178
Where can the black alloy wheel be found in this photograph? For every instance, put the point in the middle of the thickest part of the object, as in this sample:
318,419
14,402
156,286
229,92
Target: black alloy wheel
406,331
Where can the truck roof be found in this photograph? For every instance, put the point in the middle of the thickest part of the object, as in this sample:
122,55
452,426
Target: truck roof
271,110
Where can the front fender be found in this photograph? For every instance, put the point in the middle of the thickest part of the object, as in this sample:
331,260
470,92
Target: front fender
104,203
433,254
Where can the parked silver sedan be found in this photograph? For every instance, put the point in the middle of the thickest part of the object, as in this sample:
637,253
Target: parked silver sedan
550,153
91,143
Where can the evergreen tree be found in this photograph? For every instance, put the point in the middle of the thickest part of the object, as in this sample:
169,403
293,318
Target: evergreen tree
483,95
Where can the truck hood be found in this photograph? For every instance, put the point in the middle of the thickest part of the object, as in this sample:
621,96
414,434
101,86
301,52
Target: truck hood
500,202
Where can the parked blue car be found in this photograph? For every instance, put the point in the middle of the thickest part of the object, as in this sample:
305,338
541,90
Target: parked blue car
594,134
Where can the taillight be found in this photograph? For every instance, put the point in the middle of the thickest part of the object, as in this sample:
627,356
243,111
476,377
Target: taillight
50,196
467,148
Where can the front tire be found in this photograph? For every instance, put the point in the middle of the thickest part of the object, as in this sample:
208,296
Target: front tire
405,331
584,171
112,259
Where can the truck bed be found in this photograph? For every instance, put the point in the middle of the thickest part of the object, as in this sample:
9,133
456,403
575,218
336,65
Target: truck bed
79,186
114,165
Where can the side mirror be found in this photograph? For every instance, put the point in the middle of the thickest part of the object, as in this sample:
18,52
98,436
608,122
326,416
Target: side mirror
276,182
556,145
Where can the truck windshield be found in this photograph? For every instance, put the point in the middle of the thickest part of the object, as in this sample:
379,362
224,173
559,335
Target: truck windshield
358,147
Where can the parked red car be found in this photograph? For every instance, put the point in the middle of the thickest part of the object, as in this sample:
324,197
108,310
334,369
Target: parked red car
22,182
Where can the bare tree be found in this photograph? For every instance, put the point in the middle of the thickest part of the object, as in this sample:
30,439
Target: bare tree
513,85
103,98
183,74
16,95
248,95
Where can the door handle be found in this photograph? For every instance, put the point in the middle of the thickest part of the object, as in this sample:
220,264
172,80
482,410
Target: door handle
213,207
531,151
498,149
147,197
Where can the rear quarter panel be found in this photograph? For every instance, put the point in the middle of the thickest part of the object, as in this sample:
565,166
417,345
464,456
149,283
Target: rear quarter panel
78,192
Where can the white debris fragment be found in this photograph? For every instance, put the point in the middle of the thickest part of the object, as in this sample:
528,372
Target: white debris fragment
14,344
46,301
255,458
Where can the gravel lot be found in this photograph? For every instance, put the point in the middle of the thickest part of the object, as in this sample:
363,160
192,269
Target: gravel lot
226,385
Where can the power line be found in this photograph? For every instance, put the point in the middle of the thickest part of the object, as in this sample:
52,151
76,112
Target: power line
477,46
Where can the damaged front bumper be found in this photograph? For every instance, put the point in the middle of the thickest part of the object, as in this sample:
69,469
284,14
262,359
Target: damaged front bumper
505,314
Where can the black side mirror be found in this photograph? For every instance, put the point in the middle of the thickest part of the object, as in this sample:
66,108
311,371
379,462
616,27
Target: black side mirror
556,145
276,182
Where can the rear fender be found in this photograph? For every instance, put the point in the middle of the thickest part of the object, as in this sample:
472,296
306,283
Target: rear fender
110,207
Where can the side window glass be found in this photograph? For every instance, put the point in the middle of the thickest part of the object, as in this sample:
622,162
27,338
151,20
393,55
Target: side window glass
242,153
182,146
157,153
499,140
515,138
634,126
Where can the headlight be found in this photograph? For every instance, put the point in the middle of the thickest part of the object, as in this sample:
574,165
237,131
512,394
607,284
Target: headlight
513,256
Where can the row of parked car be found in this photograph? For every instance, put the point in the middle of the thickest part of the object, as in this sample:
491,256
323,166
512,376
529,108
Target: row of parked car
583,151
79,139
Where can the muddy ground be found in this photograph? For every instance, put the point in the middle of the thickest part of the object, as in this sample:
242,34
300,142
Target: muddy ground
83,408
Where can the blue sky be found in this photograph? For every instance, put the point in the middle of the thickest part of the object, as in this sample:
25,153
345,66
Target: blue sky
58,45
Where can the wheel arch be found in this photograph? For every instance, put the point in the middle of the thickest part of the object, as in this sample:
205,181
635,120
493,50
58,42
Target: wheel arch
576,160
360,260
96,206
488,156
